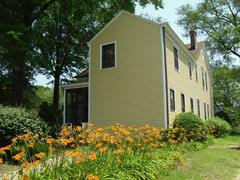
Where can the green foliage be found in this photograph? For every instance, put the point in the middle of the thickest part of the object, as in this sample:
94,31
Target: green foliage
218,127
232,116
195,127
226,84
52,116
15,121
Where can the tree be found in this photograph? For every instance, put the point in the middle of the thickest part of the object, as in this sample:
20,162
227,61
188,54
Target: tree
17,18
226,88
219,21
64,30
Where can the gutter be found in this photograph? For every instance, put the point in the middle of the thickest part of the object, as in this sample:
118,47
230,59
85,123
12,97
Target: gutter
165,77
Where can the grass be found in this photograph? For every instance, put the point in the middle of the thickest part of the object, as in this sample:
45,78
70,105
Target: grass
212,163
227,141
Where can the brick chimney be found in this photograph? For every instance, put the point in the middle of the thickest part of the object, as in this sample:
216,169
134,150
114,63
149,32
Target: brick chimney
193,40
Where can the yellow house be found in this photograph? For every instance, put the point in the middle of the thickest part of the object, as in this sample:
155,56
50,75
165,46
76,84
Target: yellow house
140,72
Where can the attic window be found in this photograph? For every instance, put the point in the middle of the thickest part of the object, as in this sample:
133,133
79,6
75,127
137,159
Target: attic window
108,55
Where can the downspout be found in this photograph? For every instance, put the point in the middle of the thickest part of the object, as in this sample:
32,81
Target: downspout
165,77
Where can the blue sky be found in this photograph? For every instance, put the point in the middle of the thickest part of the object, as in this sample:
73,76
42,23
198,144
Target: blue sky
168,14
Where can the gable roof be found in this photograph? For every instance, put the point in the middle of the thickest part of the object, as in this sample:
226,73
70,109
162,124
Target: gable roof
128,13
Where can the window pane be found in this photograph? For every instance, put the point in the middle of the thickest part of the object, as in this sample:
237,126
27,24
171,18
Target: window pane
206,81
190,69
183,102
172,100
108,55
191,104
198,107
175,51
203,83
205,111
196,70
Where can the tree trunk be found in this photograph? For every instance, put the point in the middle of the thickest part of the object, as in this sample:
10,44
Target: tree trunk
56,89
18,80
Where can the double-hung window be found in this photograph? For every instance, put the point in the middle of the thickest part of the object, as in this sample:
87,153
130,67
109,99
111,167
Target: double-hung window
206,79
183,102
172,100
203,83
108,55
198,107
176,62
205,110
191,105
190,69
196,71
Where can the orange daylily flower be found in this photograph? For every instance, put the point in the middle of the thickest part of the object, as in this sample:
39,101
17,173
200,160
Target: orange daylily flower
92,177
72,154
92,156
50,140
80,159
103,149
119,151
1,161
18,156
40,155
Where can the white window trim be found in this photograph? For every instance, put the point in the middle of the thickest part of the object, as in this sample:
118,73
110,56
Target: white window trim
115,58
177,70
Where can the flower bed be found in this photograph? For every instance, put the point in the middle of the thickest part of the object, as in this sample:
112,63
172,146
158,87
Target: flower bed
98,153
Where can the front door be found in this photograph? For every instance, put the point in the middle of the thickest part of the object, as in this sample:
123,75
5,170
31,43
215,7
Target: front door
76,106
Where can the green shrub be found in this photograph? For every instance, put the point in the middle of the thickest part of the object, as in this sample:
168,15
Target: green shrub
218,127
195,127
15,121
52,116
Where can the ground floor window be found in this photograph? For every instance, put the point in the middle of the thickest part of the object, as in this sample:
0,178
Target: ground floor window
198,107
76,105
205,110
172,100
191,105
183,102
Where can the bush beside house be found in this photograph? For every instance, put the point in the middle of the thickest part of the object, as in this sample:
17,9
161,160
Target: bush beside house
16,121
218,127
195,126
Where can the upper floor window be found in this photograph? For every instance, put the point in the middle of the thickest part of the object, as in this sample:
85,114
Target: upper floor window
198,107
196,71
176,62
203,83
183,102
172,100
108,55
206,79
191,105
190,69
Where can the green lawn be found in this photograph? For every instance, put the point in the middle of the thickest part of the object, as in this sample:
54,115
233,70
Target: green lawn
217,162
